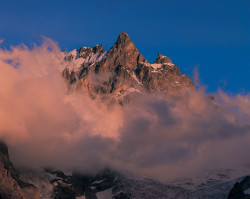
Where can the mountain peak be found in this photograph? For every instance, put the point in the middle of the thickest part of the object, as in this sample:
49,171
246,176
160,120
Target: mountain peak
123,54
128,70
123,40
123,36
161,59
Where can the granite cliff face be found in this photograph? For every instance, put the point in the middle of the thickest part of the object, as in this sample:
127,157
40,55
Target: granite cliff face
11,187
121,71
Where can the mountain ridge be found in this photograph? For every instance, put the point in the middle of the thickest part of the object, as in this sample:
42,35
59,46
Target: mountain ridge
125,68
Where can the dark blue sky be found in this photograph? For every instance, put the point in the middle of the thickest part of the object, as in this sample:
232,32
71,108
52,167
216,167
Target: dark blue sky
212,35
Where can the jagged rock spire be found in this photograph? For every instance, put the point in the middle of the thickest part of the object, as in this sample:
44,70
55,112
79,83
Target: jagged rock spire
123,40
97,48
123,54
161,59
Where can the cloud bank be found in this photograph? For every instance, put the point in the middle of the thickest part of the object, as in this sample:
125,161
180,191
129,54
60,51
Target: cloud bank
161,136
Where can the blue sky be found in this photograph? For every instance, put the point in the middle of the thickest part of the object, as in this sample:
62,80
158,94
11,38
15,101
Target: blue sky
210,35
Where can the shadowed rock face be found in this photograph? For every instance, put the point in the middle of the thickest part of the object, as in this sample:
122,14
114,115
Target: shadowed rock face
11,187
123,71
237,192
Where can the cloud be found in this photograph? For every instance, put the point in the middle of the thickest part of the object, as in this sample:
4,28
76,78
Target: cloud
163,136
195,130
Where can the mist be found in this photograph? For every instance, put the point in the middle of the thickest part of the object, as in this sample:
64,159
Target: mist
157,135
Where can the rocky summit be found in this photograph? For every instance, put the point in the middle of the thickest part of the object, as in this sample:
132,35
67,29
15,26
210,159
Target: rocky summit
121,71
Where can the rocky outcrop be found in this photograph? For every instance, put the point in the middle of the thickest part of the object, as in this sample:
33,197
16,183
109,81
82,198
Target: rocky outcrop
238,191
79,185
121,71
164,78
11,187
161,59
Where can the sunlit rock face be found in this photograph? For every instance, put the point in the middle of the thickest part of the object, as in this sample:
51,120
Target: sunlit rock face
11,187
161,59
122,71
